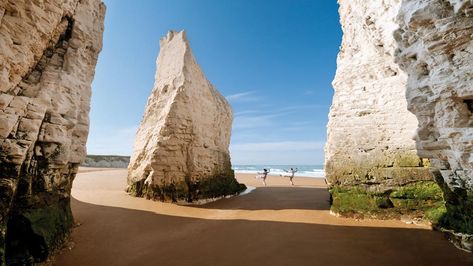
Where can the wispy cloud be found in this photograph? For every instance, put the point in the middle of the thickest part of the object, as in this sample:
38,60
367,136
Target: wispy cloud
298,107
253,121
248,112
308,92
263,118
242,96
293,128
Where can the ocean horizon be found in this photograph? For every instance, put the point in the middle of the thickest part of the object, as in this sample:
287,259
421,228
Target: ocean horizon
315,171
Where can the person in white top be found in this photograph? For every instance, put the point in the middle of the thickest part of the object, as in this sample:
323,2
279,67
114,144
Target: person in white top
263,175
290,174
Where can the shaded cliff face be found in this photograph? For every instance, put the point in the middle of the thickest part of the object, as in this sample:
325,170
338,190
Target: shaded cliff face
48,52
181,147
371,161
436,51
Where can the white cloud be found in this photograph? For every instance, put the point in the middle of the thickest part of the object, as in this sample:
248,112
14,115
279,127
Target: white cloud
243,96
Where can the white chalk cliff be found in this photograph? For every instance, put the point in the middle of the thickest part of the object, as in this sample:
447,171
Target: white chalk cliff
400,56
435,42
370,130
181,147
48,52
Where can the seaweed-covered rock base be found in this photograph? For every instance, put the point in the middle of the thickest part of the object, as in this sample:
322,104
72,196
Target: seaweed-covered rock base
418,200
189,191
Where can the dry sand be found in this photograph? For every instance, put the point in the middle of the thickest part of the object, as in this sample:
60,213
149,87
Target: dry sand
273,225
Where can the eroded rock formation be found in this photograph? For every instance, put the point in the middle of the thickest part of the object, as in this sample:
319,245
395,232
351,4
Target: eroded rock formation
371,161
181,147
48,52
436,50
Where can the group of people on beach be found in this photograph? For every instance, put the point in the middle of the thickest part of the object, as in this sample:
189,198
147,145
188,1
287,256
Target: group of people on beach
289,173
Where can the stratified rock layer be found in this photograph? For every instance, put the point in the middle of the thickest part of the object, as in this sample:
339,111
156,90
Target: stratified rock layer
48,52
106,161
370,153
181,147
436,51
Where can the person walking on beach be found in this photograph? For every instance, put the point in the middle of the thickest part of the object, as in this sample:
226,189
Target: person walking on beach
263,175
290,174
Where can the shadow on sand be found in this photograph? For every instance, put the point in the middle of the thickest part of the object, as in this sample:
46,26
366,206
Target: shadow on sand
276,198
117,236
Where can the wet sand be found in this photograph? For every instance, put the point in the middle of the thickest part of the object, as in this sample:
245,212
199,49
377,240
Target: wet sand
274,225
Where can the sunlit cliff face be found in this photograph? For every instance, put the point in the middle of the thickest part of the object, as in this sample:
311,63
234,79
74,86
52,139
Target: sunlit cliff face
392,51
370,149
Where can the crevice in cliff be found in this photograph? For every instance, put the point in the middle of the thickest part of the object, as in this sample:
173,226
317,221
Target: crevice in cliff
469,105
26,87
189,170
2,13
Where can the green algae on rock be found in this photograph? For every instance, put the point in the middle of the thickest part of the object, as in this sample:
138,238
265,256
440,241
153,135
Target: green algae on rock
33,233
189,191
422,199
457,219
383,187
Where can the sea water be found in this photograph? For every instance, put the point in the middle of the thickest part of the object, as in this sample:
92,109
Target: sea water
316,171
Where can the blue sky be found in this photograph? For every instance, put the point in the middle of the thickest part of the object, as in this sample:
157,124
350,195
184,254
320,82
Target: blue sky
273,60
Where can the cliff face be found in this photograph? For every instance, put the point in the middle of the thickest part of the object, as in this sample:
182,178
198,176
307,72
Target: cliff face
107,161
436,51
48,52
181,147
370,150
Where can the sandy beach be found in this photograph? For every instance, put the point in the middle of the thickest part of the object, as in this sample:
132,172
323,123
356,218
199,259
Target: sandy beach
273,225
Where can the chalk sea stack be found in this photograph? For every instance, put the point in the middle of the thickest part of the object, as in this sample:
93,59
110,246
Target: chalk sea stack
48,52
181,147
